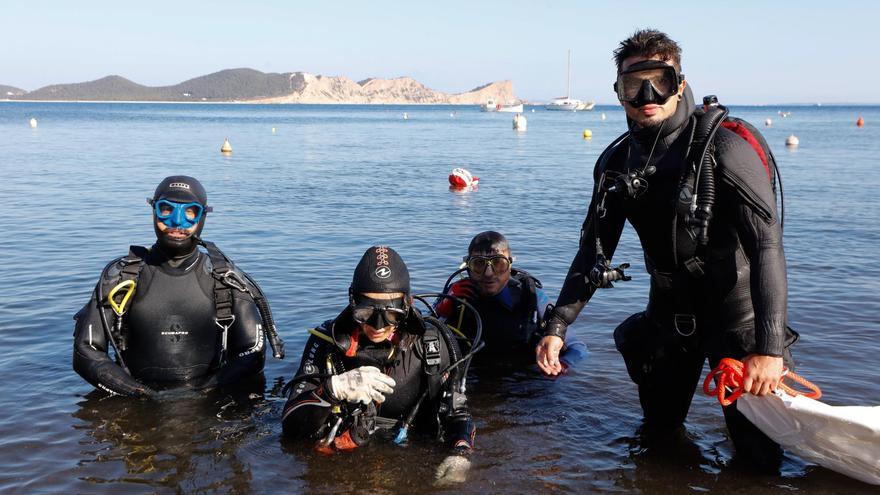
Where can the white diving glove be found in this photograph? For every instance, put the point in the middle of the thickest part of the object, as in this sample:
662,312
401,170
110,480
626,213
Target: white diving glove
453,470
365,384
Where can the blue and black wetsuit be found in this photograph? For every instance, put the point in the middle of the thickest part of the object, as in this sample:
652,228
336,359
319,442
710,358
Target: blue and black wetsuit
169,333
311,410
510,319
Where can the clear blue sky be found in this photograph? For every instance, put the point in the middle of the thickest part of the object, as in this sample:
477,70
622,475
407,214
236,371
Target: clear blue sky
753,52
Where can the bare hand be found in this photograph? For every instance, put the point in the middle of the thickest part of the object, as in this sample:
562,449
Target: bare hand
547,355
762,374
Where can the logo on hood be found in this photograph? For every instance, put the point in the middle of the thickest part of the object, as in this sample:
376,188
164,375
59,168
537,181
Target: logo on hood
179,185
383,272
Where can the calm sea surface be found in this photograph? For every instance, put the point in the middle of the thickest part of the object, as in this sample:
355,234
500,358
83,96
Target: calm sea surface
296,208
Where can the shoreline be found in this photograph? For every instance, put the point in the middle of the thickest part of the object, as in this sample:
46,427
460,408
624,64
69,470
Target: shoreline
244,103
535,104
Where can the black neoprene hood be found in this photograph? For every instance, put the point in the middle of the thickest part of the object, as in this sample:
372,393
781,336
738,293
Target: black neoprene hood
181,189
380,269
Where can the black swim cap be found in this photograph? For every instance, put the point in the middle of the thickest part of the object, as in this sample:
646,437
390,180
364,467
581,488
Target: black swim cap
182,189
381,269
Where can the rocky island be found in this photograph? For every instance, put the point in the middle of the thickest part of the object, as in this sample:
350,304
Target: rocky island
252,86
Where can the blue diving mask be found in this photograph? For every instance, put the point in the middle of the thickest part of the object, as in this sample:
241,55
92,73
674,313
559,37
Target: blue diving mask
178,215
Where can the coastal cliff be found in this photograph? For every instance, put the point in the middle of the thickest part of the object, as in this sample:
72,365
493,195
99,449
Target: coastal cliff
252,86
309,88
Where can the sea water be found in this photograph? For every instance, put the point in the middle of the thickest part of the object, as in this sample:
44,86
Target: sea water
297,207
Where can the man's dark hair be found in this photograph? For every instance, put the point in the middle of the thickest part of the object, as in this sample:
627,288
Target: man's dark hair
488,242
648,43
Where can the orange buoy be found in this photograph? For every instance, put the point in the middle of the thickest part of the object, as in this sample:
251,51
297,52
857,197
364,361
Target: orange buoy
860,122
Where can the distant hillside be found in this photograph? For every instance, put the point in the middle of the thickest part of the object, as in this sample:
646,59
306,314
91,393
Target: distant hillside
108,88
226,85
10,91
255,86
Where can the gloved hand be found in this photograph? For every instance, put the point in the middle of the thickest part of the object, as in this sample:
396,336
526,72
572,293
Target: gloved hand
364,385
453,469
463,289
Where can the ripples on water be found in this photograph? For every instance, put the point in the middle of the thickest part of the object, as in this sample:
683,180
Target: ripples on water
298,207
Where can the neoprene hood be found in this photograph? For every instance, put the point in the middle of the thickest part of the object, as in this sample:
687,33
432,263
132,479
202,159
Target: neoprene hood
381,269
180,189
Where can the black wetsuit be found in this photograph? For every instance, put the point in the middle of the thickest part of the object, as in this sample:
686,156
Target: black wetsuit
310,411
509,326
739,306
170,333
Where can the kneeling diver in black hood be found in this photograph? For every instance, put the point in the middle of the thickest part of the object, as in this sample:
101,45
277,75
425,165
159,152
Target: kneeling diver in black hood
380,364
179,315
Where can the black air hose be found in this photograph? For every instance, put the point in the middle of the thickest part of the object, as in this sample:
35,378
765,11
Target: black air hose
704,194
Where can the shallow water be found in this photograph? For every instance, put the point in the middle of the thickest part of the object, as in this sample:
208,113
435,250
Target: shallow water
296,209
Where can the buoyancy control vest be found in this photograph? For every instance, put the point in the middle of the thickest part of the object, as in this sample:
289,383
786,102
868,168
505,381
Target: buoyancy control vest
696,190
170,331
125,273
504,327
693,206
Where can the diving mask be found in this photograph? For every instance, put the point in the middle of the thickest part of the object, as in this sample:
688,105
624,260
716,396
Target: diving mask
178,215
650,81
478,264
378,313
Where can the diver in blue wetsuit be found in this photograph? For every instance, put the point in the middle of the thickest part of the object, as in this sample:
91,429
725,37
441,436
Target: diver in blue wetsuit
173,313
510,302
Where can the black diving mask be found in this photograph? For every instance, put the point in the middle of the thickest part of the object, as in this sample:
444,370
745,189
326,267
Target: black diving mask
378,313
650,81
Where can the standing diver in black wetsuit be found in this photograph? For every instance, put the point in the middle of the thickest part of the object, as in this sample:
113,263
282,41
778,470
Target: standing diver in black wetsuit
173,313
718,281
380,365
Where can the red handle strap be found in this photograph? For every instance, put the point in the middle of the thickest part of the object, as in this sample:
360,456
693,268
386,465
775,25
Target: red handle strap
728,379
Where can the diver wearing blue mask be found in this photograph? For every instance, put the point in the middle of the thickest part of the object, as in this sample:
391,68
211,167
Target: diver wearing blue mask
174,313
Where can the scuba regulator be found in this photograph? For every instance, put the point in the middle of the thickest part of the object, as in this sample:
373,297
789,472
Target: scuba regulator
602,275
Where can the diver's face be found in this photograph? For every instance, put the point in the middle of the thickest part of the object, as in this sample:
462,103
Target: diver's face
177,221
652,114
492,273
377,335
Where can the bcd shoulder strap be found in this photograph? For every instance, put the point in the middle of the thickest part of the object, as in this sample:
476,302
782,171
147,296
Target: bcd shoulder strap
227,279
133,263
130,267
529,286
431,359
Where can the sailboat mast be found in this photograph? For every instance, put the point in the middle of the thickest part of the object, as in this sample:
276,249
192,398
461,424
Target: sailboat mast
568,82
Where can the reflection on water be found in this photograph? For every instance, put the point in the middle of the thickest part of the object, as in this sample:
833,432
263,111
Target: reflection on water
297,208
187,441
